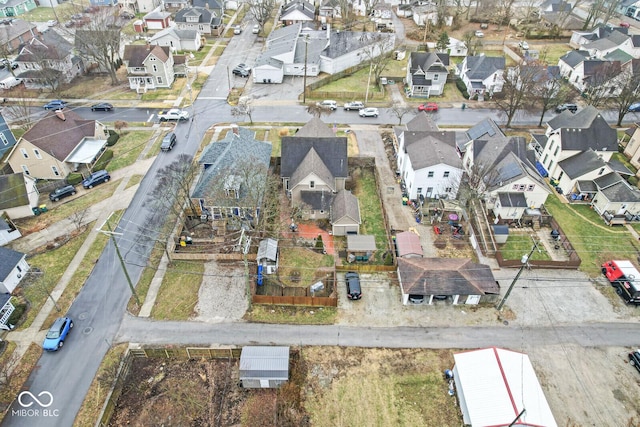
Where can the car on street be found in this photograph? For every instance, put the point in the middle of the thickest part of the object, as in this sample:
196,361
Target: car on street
237,29
102,106
625,25
328,104
562,107
352,279
56,104
479,34
52,23
635,107
96,178
241,71
634,359
58,332
429,106
369,112
62,192
168,142
256,29
523,45
355,105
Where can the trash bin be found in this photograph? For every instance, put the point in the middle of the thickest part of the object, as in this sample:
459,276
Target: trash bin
43,208
464,105
36,211
405,201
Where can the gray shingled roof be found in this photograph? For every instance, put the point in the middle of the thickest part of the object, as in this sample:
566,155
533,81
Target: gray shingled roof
618,55
540,138
619,167
312,164
481,67
332,151
345,205
574,57
301,5
315,128
611,40
59,137
348,41
445,276
422,122
317,200
621,192
210,4
606,181
582,163
434,148
179,34
8,261
427,62
16,28
203,14
585,129
51,46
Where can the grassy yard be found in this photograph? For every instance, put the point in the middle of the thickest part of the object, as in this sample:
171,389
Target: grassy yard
16,381
293,315
592,239
53,264
298,265
370,209
178,293
355,83
520,244
128,148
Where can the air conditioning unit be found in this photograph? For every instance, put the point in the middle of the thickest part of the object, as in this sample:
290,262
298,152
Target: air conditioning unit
204,217
271,269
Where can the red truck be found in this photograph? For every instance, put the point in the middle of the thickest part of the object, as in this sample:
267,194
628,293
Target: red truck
624,276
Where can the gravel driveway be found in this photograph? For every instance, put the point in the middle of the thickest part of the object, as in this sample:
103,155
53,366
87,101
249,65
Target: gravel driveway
223,295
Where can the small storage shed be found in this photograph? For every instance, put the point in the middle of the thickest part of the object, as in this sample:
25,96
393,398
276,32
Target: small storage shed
408,245
264,366
494,385
501,233
361,246
268,255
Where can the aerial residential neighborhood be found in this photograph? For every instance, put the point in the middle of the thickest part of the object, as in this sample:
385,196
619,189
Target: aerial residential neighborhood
321,213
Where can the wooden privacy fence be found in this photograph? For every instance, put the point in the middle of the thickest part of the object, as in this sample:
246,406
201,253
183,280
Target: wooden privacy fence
295,300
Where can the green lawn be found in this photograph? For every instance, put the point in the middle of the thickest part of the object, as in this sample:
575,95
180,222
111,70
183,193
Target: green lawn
298,265
292,315
521,244
355,84
178,293
128,148
370,209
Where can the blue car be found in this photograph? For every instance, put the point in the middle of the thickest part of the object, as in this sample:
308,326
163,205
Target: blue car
635,107
56,104
57,334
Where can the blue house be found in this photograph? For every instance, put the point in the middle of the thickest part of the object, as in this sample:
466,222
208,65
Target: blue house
7,140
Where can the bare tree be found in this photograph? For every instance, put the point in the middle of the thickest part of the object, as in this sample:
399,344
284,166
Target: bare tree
19,112
369,6
347,15
549,92
378,53
172,190
7,364
629,87
244,108
77,218
602,84
119,125
261,10
400,111
518,83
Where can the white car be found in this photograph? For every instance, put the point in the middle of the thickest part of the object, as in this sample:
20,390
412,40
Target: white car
330,105
256,29
523,45
237,29
355,105
479,34
369,112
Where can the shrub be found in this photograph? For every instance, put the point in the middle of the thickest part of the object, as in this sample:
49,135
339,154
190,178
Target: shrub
462,88
74,178
633,180
113,138
17,314
104,160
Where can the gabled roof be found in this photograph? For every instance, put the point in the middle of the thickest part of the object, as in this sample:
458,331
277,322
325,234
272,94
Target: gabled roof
159,15
268,248
424,61
332,152
315,128
408,243
13,191
344,42
203,14
582,163
481,67
58,136
16,28
422,122
312,164
210,4
300,6
445,276
317,200
607,180
618,55
432,149
585,129
621,192
8,261
175,33
611,40
53,47
574,57
136,55
345,205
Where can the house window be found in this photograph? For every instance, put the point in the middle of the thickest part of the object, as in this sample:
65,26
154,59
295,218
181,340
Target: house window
531,187
24,153
601,171
55,171
546,157
312,184
612,89
435,77
555,152
25,169
419,190
37,153
4,139
429,192
448,190
19,269
154,67
430,174
159,80
446,174
521,187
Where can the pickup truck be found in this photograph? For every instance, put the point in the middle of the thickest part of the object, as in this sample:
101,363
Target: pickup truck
173,114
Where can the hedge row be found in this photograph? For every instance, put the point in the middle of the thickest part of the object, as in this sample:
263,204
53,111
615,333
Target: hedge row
462,88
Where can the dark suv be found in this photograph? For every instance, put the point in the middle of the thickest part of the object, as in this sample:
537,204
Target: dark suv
353,285
62,192
96,178
634,359
168,142
571,107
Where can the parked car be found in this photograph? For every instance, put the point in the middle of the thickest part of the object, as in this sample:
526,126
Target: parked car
102,106
479,34
369,112
355,105
328,104
571,107
624,25
96,178
523,45
237,29
416,299
635,107
56,104
57,334
127,15
256,29
241,71
429,106
52,23
62,192
634,359
354,292
168,141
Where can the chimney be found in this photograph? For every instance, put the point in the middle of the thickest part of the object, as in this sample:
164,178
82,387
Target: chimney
60,115
235,130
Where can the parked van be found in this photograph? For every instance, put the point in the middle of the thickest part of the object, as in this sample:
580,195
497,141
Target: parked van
10,82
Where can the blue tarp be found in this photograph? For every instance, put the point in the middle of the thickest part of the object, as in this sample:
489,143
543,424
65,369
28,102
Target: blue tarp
541,170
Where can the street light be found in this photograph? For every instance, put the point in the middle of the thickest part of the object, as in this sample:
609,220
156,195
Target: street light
524,261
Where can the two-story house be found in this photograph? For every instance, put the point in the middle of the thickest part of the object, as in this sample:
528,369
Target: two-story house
482,75
7,139
9,9
585,73
190,40
15,33
297,11
45,62
205,21
427,73
149,66
61,143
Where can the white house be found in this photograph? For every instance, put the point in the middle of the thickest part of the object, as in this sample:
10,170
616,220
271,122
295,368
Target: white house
583,72
8,231
149,67
176,39
13,267
482,75
427,73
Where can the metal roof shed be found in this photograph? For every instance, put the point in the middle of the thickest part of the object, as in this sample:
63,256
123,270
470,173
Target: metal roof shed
264,366
361,243
495,385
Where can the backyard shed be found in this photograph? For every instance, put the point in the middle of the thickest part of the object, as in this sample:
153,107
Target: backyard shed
408,245
264,366
268,255
501,233
361,246
495,385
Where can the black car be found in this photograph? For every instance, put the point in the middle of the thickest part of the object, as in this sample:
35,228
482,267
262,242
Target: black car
354,291
103,106
571,107
62,192
168,142
634,359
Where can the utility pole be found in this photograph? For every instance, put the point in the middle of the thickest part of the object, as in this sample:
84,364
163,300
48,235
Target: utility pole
304,72
366,97
524,261
112,234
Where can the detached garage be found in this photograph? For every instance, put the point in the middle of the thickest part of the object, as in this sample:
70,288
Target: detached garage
264,366
498,387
